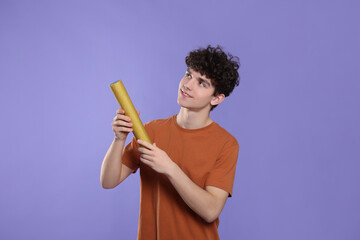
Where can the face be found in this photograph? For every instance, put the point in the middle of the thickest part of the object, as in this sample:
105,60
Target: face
196,91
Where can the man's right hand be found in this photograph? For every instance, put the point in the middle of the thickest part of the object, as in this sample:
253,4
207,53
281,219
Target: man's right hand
122,124
113,171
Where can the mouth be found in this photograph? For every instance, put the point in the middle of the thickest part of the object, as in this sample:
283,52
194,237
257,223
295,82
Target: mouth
185,94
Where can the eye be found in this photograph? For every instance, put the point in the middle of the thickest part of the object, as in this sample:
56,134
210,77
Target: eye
187,75
202,84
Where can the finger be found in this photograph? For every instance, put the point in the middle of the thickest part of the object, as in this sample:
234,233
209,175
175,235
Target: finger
140,149
120,111
120,123
122,117
145,144
122,129
138,112
147,157
118,126
147,162
144,150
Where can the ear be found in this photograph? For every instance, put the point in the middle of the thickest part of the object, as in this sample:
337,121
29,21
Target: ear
217,99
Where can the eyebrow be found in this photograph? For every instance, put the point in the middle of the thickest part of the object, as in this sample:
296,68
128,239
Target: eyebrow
199,78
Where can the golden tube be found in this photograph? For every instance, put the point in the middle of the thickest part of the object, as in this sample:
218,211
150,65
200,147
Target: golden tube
125,103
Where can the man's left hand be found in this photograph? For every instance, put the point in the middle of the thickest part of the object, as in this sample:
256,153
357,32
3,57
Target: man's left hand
155,158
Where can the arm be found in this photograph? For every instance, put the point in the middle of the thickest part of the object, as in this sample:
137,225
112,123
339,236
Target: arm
113,172
207,203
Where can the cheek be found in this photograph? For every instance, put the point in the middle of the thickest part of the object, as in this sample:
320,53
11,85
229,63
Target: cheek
207,95
182,82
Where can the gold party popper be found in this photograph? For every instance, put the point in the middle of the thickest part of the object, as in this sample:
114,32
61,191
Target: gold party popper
125,103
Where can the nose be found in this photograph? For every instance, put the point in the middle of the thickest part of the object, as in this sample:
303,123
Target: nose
185,86
188,84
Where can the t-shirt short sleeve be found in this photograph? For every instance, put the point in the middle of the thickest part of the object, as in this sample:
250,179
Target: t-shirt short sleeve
131,157
223,173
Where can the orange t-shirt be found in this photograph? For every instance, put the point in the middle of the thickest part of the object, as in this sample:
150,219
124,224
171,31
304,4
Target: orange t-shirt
207,156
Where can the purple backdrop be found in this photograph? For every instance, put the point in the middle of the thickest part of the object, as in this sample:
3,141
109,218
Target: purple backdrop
295,114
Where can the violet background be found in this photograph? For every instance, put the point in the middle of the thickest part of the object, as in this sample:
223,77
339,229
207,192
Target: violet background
295,114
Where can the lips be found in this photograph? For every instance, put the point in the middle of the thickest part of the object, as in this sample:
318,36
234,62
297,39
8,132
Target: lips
185,94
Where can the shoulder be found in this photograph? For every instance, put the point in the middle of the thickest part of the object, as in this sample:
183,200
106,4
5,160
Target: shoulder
158,123
226,138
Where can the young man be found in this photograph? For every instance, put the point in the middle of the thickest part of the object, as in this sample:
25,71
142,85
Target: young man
187,173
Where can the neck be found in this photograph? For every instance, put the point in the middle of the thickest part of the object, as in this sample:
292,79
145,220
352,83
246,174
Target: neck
193,120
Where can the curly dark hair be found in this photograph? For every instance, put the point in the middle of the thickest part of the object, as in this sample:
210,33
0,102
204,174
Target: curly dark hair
219,67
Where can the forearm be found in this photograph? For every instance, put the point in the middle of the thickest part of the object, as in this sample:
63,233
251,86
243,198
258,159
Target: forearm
111,165
202,202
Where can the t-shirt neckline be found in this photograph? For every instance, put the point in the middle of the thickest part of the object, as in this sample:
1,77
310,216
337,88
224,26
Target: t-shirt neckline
192,130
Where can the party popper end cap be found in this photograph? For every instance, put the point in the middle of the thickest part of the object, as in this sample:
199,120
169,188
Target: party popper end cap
115,82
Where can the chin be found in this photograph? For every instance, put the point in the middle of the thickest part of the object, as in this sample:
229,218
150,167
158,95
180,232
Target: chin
181,104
